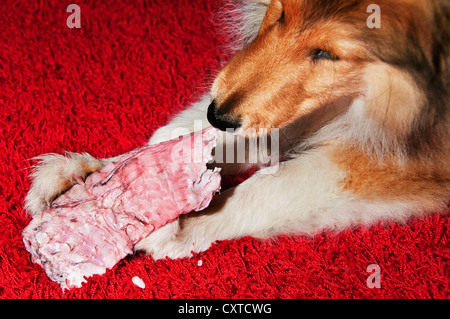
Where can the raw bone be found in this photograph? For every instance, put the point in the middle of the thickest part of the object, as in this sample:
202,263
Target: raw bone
92,226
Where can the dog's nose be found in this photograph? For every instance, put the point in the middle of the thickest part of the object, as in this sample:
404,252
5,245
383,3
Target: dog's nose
221,121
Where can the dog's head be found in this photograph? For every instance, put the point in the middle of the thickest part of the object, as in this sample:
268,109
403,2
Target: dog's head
312,53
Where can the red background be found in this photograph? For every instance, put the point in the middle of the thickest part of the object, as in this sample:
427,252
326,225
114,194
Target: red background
104,89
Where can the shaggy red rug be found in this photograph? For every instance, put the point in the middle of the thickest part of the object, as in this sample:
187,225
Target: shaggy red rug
104,89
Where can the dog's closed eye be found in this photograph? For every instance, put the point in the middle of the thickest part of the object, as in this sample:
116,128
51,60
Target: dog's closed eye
319,54
281,18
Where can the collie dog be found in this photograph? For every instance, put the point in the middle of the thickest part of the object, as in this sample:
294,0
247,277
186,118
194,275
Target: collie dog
362,114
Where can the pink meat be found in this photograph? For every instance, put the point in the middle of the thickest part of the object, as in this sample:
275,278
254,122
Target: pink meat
94,225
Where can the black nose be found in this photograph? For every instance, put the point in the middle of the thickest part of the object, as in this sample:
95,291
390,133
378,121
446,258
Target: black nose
220,121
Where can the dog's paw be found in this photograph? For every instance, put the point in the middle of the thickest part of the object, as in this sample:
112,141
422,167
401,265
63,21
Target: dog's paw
54,174
172,242
155,244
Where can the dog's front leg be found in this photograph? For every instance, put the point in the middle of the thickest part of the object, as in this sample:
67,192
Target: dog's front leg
291,200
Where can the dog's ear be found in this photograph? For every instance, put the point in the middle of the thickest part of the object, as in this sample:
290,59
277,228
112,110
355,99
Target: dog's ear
273,13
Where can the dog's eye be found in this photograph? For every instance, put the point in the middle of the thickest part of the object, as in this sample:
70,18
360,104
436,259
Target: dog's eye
323,55
281,18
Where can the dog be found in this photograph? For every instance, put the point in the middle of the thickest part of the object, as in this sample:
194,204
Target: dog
362,115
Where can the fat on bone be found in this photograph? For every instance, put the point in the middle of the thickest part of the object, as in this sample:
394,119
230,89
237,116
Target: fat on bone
94,225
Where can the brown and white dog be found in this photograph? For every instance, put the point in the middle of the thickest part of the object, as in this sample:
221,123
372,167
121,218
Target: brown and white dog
363,116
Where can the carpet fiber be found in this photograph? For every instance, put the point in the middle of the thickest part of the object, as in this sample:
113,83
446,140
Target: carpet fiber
104,89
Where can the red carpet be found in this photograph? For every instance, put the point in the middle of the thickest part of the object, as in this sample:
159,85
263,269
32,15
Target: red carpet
104,89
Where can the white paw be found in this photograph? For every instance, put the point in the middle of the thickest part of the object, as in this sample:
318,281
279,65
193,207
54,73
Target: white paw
54,174
170,241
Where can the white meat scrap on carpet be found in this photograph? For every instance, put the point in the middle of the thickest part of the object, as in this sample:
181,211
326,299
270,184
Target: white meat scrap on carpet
94,225
138,282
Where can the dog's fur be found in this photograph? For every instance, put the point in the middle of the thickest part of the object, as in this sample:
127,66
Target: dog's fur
364,120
